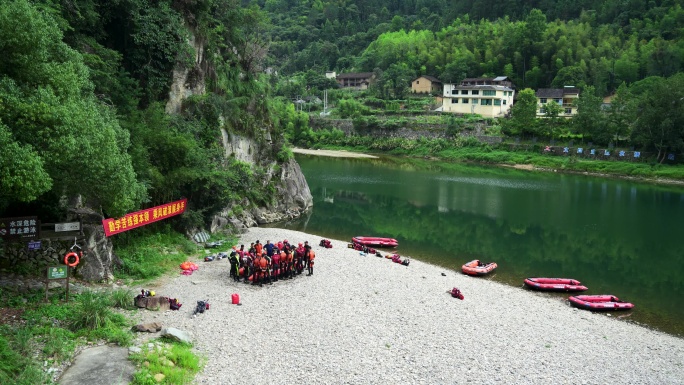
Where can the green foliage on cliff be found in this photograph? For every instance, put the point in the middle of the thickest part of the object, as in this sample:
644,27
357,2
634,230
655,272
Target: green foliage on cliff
82,91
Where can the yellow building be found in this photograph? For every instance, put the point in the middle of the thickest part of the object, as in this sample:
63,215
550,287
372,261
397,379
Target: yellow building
491,98
426,85
564,97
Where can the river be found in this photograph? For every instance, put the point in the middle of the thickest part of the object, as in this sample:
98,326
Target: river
617,237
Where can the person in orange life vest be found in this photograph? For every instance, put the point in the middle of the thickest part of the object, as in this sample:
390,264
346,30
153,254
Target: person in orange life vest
283,264
312,256
269,268
290,262
258,247
257,276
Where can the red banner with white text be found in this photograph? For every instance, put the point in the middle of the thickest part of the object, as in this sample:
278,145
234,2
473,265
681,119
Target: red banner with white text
113,226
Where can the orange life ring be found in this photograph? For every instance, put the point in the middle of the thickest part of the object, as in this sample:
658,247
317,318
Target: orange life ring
69,255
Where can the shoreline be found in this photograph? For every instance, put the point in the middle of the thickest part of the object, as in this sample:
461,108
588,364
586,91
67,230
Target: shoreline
523,167
333,153
364,319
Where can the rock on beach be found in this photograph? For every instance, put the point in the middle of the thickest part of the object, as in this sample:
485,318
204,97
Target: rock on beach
365,320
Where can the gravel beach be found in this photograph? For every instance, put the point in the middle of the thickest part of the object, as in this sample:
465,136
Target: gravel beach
365,320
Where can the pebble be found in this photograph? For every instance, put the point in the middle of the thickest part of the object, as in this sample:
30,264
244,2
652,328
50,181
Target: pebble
336,325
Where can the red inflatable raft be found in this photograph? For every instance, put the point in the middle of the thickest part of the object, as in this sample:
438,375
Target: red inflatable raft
376,241
477,267
554,284
599,302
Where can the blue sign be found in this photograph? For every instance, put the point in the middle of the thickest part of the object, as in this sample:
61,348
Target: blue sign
34,245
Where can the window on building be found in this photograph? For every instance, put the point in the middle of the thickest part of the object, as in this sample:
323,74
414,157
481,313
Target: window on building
568,111
474,101
486,102
476,92
504,102
489,92
542,100
464,92
454,100
559,101
465,100
542,110
497,102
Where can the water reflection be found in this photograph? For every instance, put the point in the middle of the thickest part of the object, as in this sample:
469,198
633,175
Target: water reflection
531,224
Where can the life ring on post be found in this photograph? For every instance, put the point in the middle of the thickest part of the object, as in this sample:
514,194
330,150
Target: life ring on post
69,256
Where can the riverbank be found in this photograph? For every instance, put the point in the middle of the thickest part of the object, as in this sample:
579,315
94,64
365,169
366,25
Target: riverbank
332,153
363,319
525,162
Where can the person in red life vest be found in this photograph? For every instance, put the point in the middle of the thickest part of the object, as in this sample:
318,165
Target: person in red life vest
299,258
312,256
275,265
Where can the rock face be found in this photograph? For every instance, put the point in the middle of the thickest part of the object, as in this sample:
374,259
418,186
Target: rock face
187,81
293,193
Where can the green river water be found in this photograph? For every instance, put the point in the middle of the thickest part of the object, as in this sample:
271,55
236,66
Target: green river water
617,237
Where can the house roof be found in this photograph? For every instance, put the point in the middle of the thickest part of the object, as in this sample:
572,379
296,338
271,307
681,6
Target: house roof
430,78
475,79
357,75
500,78
483,87
556,92
549,93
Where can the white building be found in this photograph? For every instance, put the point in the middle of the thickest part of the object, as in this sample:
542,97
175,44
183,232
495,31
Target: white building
489,97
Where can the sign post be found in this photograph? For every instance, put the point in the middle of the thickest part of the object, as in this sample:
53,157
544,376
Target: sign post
57,273
14,229
67,226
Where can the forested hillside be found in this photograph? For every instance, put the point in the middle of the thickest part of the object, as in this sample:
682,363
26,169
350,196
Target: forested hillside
536,43
83,88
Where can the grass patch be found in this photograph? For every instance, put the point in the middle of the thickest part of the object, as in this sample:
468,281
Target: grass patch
175,361
52,331
148,255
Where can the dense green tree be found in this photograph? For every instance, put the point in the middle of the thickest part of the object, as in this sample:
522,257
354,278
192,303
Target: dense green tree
590,119
660,115
621,114
523,119
52,121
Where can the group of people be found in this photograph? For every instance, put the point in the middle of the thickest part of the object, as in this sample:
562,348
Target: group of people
269,262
